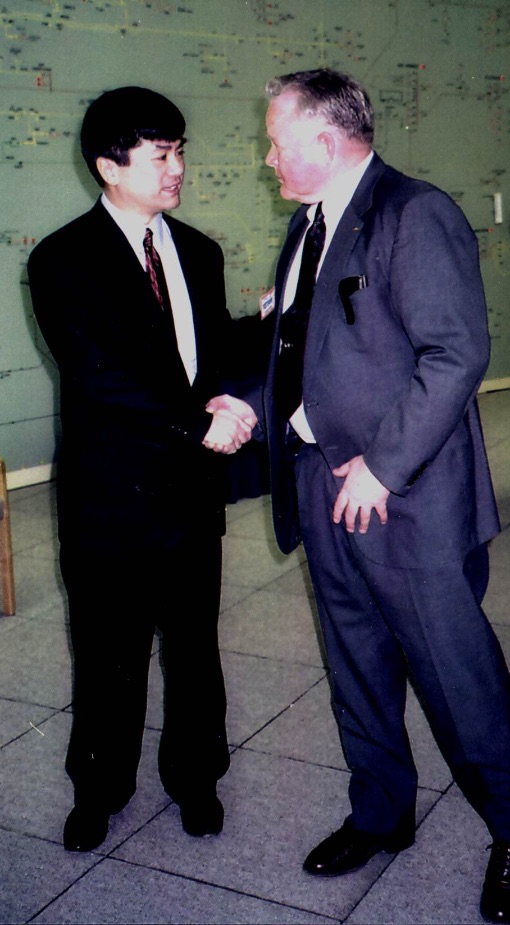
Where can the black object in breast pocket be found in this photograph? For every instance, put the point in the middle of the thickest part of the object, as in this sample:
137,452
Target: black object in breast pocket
346,288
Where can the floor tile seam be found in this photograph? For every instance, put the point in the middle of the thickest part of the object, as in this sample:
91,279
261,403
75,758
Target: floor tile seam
491,446
258,587
270,658
258,583
504,528
32,835
23,504
24,518
26,505
55,711
281,712
241,588
21,619
440,795
300,595
70,886
244,747
495,623
19,548
257,501
221,886
392,860
44,488
240,530
21,735
40,552
441,792
35,703
284,574
293,758
252,589
45,620
130,835
151,728
15,619
371,886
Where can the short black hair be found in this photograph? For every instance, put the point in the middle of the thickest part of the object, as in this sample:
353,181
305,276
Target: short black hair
118,120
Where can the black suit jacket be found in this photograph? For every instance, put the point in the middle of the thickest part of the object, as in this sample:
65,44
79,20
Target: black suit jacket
132,470
392,371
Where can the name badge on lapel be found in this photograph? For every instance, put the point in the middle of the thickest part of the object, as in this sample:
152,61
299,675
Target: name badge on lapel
266,303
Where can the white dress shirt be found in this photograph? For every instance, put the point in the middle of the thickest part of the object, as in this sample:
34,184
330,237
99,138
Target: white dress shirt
134,229
333,207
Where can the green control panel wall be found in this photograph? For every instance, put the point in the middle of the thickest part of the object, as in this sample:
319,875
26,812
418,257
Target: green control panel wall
438,72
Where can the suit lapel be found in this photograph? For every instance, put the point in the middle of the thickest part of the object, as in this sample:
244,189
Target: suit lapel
297,225
128,276
132,291
345,238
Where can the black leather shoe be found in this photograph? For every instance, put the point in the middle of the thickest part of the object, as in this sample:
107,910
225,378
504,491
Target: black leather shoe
495,901
349,849
202,816
85,829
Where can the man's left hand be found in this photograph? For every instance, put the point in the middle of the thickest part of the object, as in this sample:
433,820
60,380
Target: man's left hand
360,493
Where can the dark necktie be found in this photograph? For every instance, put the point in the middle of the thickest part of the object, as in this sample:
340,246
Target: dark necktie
294,322
156,273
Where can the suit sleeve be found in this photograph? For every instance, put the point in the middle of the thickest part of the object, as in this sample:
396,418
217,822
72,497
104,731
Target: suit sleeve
113,366
437,294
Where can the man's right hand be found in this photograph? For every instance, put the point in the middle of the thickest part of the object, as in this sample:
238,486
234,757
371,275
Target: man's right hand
233,421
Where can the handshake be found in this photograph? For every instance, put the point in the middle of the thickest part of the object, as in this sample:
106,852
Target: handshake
232,424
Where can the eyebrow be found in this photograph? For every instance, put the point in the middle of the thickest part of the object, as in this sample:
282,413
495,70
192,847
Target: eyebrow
166,145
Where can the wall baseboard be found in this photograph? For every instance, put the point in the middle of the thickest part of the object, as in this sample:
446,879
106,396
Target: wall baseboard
21,478
495,385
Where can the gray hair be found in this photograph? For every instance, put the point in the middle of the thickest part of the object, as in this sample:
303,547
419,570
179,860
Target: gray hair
339,98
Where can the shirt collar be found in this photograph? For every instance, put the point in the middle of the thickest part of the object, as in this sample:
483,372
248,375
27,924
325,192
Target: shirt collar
340,195
133,225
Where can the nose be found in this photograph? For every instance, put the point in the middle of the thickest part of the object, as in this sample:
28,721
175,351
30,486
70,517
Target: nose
175,166
271,157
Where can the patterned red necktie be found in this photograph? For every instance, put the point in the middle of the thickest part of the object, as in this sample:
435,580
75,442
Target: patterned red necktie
156,273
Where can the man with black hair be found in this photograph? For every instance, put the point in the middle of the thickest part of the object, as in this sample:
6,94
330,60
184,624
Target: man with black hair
132,306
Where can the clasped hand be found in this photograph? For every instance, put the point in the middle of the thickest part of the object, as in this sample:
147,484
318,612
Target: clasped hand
360,493
232,424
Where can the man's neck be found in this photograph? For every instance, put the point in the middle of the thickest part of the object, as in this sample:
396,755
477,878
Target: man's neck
127,213
127,216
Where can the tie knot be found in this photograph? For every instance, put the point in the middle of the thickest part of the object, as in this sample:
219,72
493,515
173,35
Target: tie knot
147,239
315,238
318,226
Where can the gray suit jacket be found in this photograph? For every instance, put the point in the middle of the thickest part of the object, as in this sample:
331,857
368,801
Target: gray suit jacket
392,371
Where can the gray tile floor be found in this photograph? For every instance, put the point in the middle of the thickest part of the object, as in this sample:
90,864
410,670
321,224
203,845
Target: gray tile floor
287,786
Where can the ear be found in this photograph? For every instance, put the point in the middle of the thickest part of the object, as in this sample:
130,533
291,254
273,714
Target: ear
328,143
108,170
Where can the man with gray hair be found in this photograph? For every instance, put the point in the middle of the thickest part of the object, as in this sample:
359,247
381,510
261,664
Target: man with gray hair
378,464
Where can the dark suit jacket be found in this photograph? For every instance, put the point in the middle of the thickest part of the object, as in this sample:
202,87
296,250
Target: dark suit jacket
392,373
132,472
